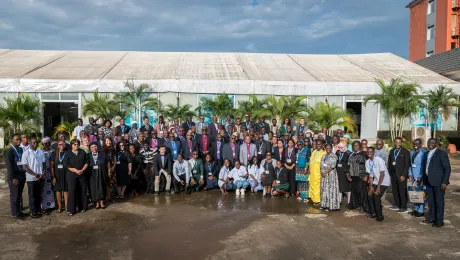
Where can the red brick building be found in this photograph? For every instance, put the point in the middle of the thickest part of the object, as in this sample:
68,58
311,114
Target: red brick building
434,27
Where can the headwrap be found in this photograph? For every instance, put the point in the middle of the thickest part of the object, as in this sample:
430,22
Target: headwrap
46,139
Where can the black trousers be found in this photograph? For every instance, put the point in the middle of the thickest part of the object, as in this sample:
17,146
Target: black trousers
35,196
292,183
78,194
375,201
16,195
356,188
177,185
436,203
399,190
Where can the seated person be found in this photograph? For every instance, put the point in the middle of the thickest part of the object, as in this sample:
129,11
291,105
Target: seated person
282,181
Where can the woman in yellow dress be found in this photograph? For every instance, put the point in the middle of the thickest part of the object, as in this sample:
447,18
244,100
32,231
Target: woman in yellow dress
315,172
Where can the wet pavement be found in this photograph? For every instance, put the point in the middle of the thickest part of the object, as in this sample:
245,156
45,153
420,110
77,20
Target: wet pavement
209,225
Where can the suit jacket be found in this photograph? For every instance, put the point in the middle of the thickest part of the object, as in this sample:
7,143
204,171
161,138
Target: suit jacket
248,125
186,149
200,126
297,129
167,166
227,152
438,170
186,126
214,149
119,132
170,150
328,139
258,126
402,163
144,128
212,130
244,153
199,141
262,148
279,156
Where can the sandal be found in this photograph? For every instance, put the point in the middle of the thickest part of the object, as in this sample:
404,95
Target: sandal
59,210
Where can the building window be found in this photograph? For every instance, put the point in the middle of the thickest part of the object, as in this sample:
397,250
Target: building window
453,45
430,53
431,7
430,33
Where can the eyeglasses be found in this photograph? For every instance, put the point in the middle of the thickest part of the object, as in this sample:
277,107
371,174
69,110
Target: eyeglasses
75,144
195,154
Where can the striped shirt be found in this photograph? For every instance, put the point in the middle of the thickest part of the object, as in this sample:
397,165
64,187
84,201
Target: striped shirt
148,156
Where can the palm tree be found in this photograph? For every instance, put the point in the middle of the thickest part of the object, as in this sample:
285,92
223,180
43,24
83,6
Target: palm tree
138,99
399,100
20,114
442,99
180,112
218,106
325,115
102,106
285,106
66,127
254,105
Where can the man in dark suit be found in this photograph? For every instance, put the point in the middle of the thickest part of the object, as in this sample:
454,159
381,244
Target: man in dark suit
122,128
188,146
163,166
327,138
262,147
261,124
204,143
213,128
16,175
187,125
231,150
436,173
216,150
247,123
398,167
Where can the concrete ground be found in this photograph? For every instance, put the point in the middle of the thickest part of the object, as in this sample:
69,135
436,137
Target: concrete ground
209,225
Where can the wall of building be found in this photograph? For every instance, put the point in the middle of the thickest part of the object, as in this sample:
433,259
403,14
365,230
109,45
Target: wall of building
417,37
442,28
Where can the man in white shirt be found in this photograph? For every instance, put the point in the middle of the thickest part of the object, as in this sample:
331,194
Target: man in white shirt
380,180
181,174
24,143
78,128
33,163
240,176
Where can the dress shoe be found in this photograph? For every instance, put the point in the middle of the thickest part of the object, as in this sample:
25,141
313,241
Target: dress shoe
418,214
402,210
439,224
379,219
17,217
428,221
35,216
394,208
372,216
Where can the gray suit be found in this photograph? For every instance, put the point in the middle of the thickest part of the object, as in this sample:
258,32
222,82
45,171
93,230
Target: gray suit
199,126
244,153
227,152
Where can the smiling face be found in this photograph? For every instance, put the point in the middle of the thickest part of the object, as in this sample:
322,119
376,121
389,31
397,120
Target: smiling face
432,144
93,148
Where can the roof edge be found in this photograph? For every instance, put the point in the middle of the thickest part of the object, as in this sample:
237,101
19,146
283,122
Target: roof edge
413,3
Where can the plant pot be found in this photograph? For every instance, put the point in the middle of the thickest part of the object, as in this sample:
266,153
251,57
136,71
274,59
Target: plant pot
452,148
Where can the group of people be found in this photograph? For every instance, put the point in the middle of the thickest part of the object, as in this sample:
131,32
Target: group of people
102,163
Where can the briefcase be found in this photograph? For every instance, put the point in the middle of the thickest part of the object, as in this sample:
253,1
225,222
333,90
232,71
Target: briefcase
416,196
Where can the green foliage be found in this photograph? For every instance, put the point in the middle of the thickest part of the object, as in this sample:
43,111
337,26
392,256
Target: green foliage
254,106
64,127
180,112
406,144
102,106
137,99
20,114
442,99
285,106
218,106
325,115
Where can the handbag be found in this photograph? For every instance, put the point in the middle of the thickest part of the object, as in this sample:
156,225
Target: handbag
416,196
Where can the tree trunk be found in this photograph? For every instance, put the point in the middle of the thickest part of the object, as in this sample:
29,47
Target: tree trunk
391,122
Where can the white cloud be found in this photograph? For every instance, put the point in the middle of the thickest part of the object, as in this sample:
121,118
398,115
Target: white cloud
251,47
5,26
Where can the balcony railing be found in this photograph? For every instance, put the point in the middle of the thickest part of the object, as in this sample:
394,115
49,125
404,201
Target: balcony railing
455,33
455,5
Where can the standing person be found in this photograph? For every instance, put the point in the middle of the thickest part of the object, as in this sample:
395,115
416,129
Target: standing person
379,180
330,195
247,150
284,127
33,162
48,200
91,129
261,124
121,129
123,169
137,171
106,129
227,121
415,175
231,150
16,175
133,133
279,151
98,165
175,146
188,146
199,126
335,143
163,167
59,172
268,176
290,164
247,122
24,143
357,176
148,158
343,168
181,173
197,172
314,190
204,142
76,162
146,127
78,128
255,172
380,151
436,174
398,166
301,176
211,172
225,182
216,150
274,126
239,174
301,127
188,124
213,128
364,145
262,147
282,180
161,126
110,152
327,138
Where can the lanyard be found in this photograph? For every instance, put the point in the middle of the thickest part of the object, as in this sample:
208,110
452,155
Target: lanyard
371,167
61,158
209,167
95,159
119,154
189,125
278,173
18,153
298,154
341,156
122,129
289,152
266,165
36,155
261,146
179,165
173,144
193,164
301,128
396,154
315,154
414,156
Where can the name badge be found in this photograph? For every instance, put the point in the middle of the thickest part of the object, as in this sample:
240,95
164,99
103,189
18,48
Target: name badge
394,163
146,161
175,152
218,152
339,165
95,167
325,164
60,166
194,171
18,163
118,162
210,174
414,165
266,172
234,154
278,182
259,153
161,132
288,160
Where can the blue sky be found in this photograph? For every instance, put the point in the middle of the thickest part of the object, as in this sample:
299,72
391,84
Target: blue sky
279,26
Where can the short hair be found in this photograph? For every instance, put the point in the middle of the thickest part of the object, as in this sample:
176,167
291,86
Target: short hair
14,135
320,141
418,140
162,146
93,143
356,142
371,147
398,138
105,122
436,140
330,145
75,141
364,140
78,119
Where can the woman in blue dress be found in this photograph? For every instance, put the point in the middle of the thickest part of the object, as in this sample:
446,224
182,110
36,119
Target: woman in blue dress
301,177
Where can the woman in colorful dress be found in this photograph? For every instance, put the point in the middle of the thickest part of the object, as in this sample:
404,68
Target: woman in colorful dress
106,129
58,172
314,190
48,201
123,169
357,176
330,195
301,177
290,164
283,128
110,152
98,165
342,170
